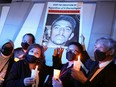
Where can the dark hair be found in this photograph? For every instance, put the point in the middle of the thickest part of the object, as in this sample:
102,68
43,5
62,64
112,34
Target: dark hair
42,56
66,18
77,45
31,35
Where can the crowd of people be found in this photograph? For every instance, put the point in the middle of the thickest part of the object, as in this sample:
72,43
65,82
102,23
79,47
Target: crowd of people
18,73
30,70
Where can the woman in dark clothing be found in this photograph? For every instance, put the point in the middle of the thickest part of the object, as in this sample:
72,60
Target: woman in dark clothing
20,74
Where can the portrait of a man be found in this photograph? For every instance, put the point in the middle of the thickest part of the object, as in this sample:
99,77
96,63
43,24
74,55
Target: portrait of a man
61,30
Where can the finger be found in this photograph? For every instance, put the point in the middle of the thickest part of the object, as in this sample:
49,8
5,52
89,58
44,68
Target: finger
55,52
59,80
30,81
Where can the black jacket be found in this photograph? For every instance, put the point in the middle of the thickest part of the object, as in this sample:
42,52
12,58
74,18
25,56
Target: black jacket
20,70
106,78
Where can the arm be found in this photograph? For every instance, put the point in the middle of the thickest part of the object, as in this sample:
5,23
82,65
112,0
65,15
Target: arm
85,55
78,75
57,58
57,83
83,42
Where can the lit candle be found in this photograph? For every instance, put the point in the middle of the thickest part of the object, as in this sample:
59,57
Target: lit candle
56,74
77,64
34,72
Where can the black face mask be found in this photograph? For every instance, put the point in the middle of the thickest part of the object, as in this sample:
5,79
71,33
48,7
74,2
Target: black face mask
6,50
70,56
99,56
24,45
33,59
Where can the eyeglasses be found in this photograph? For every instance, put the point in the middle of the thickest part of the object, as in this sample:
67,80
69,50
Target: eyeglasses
73,51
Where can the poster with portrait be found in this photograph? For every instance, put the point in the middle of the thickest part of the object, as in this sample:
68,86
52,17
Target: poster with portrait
61,23
61,27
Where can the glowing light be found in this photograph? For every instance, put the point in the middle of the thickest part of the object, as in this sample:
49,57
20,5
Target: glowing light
56,74
77,64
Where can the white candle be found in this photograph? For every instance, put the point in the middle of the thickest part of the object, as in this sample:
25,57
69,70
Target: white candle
34,72
56,74
77,64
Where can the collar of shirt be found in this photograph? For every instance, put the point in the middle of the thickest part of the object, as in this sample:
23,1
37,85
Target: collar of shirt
104,64
70,64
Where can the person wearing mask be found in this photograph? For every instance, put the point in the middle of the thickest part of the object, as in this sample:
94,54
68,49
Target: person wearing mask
21,71
103,75
6,60
27,40
74,50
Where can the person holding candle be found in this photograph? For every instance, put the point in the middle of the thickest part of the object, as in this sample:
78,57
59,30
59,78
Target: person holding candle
74,50
65,79
30,71
105,74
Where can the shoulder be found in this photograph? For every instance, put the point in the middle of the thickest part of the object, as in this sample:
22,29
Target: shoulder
112,66
90,61
19,48
90,64
21,63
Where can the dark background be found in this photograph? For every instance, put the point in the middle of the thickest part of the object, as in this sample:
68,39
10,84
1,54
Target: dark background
5,1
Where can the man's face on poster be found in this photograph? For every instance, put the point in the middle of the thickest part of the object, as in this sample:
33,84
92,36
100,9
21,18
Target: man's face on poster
62,31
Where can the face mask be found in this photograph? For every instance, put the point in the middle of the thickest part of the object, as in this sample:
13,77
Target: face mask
6,51
24,45
99,56
33,59
70,56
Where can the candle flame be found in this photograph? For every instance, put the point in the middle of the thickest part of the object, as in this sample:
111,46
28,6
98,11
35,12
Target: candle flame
36,68
79,58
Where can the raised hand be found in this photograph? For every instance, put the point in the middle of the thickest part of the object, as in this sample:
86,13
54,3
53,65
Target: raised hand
58,52
82,38
78,75
56,83
83,41
29,81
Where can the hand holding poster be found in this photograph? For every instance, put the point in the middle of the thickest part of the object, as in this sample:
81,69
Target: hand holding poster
61,26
